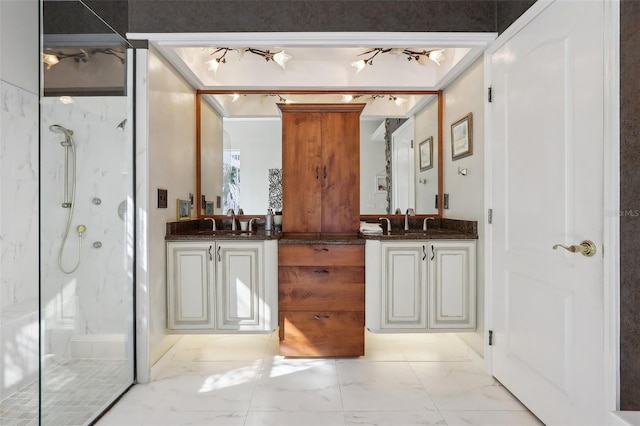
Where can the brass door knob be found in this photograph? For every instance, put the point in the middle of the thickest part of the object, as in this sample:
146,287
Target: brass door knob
587,248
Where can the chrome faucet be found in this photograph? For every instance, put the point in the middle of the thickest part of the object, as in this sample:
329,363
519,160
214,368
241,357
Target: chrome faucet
424,223
250,227
231,213
410,212
213,222
388,223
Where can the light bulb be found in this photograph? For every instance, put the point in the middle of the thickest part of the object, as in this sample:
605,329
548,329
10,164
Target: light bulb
358,65
50,60
213,65
399,101
347,98
235,97
66,100
436,56
281,58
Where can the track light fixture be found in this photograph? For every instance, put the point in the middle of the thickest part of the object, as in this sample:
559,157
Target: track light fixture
52,58
435,55
396,99
279,58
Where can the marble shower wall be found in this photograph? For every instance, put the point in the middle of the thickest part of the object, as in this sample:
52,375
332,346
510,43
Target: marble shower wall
19,207
95,302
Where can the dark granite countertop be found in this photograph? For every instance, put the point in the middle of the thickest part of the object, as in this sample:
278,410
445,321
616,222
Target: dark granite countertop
414,234
438,229
197,235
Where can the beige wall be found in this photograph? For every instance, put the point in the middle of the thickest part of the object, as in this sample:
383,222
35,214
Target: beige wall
171,163
426,125
466,193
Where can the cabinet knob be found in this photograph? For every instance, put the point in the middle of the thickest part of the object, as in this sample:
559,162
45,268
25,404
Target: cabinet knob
321,271
318,317
322,249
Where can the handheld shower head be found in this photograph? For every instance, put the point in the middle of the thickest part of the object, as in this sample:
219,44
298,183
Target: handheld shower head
56,128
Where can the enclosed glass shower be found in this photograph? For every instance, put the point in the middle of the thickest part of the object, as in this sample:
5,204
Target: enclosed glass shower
75,345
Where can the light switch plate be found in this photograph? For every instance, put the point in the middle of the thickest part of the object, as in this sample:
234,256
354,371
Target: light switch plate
445,201
162,198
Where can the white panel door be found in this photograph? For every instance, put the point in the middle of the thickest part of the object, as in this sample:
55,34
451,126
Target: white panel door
404,291
452,285
546,121
402,168
190,277
240,286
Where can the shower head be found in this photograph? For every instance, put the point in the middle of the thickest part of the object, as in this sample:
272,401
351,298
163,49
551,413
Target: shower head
56,128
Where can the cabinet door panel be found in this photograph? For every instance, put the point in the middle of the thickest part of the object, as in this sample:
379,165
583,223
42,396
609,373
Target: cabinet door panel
320,255
404,287
341,172
322,333
301,172
240,286
319,288
452,299
190,298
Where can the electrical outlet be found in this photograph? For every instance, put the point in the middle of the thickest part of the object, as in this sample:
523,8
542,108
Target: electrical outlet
218,202
162,198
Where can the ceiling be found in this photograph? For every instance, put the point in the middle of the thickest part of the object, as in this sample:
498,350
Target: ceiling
320,62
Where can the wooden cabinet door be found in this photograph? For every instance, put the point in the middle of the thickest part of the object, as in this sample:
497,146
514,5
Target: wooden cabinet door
404,286
452,285
301,171
240,286
190,281
340,172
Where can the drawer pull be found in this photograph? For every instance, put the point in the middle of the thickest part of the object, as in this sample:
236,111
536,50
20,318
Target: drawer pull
433,255
210,255
322,249
318,317
321,271
424,251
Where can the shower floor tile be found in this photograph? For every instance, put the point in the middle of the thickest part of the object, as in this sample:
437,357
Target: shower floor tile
72,393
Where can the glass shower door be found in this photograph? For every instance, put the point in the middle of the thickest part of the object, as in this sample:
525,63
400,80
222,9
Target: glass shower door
86,217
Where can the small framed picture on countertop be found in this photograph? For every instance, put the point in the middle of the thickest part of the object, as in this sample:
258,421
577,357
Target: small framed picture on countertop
183,209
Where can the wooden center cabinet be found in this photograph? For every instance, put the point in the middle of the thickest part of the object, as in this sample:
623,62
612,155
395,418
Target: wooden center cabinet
320,259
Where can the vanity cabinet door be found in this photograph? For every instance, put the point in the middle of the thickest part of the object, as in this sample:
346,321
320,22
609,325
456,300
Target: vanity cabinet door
240,286
302,171
341,172
190,281
403,289
452,285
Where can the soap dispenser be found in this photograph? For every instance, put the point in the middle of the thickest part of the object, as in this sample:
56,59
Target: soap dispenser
268,220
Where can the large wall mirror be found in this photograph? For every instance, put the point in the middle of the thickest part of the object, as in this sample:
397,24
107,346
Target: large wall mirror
239,156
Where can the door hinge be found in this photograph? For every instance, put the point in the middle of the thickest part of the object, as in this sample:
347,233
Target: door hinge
490,94
490,216
490,337
411,143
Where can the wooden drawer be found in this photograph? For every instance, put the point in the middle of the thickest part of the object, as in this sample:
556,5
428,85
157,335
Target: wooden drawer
302,288
320,254
321,333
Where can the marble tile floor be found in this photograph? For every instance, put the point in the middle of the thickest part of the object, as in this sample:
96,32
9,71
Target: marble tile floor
403,380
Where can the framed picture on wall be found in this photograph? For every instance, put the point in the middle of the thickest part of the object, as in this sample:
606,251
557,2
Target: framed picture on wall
426,154
381,183
183,209
209,207
462,137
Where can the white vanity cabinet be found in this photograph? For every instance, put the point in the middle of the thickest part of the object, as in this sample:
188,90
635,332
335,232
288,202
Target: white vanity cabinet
420,285
222,286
